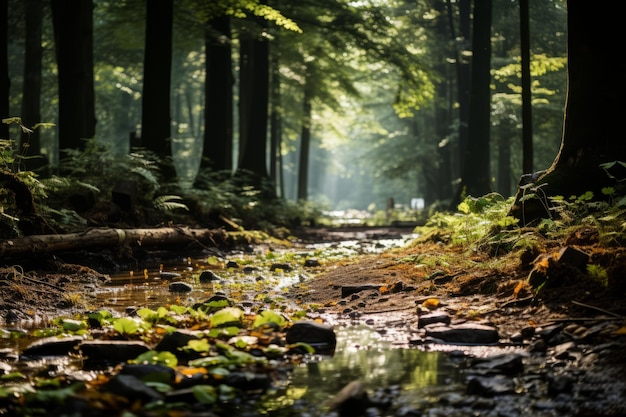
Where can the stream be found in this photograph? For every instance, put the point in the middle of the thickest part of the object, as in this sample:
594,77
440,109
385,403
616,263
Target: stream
362,353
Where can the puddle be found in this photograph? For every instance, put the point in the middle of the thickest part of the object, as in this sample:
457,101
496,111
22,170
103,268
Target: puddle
363,355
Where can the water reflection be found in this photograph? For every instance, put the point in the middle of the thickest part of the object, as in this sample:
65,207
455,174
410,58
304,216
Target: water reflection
363,355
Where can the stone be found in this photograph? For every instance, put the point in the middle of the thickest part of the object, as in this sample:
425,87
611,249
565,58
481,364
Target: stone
282,266
52,346
208,276
132,388
466,333
320,336
433,318
111,351
180,286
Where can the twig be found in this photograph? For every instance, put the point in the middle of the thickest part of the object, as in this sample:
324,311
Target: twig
599,309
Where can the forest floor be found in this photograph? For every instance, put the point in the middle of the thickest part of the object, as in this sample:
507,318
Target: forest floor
391,289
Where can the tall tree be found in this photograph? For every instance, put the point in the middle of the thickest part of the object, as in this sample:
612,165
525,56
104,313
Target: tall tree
305,139
73,36
592,129
462,60
253,105
527,119
218,110
476,178
5,81
31,108
157,74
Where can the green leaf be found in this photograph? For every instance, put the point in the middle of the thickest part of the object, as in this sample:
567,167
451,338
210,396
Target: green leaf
126,326
229,316
152,357
73,325
201,346
268,316
204,394
209,362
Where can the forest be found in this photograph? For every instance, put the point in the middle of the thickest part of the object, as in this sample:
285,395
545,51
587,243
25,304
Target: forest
331,105
171,174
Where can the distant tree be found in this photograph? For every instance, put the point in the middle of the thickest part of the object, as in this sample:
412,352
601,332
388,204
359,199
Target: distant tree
73,36
157,71
305,137
31,107
476,177
593,152
5,81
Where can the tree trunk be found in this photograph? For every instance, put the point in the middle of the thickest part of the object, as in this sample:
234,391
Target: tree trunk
275,121
31,108
5,81
105,237
254,86
157,74
476,178
73,36
218,110
527,119
463,78
305,143
592,131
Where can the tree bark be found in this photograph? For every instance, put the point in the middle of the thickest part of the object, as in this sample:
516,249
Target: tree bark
527,119
155,115
592,130
31,108
476,178
254,92
305,142
73,37
5,81
218,110
106,237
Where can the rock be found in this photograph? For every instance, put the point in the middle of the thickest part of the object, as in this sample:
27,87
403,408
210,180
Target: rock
180,286
52,346
174,341
352,400
508,364
490,386
246,381
310,263
466,333
432,318
111,351
282,266
208,276
320,336
232,264
150,372
169,275
132,388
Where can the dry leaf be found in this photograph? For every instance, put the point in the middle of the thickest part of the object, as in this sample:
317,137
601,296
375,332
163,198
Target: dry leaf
431,303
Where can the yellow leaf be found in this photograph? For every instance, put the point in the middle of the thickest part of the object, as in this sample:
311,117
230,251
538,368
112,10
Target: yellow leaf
431,303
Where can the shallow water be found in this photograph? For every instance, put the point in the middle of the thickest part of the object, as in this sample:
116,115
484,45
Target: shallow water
363,355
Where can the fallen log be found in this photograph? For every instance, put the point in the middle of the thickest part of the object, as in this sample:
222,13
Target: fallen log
109,237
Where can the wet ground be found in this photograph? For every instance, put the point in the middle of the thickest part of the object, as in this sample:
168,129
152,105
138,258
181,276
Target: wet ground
400,313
